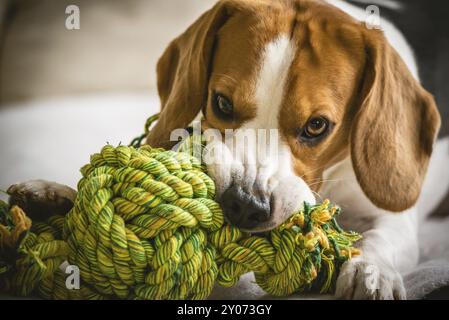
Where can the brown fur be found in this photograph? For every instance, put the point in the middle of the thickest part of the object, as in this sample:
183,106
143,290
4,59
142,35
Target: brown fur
394,130
382,117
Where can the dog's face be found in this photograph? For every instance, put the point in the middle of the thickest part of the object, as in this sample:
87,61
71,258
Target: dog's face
318,84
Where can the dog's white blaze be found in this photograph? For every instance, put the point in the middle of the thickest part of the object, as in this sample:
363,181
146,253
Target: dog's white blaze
276,62
270,86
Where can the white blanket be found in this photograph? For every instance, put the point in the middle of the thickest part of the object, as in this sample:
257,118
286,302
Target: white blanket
52,139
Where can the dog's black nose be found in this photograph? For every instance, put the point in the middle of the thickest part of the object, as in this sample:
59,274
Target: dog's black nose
244,210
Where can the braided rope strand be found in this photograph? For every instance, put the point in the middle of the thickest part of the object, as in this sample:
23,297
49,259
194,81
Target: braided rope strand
145,226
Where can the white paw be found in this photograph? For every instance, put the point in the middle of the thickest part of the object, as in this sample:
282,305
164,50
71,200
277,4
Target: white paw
362,279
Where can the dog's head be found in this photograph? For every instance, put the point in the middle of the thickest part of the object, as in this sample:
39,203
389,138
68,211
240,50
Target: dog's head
326,86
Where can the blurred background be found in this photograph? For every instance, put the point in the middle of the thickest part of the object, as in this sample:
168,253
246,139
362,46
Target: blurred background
66,93
115,49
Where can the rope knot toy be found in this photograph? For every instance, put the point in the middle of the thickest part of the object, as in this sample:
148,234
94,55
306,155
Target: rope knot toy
145,226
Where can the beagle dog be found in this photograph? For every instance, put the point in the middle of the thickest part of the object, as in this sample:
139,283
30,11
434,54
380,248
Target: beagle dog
354,124
351,123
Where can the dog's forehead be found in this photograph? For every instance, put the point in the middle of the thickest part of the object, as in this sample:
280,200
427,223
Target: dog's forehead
270,81
263,61
243,45
242,40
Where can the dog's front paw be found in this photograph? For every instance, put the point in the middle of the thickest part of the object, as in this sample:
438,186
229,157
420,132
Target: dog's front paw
362,279
40,198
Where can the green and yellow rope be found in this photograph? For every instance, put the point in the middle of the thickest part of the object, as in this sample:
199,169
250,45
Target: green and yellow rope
145,226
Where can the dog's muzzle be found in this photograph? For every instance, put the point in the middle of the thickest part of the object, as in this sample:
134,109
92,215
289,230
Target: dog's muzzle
244,210
257,190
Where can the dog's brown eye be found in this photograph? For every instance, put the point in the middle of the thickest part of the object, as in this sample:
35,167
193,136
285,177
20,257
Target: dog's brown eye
222,105
315,128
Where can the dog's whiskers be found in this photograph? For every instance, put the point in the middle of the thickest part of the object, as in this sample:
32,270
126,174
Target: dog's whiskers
311,171
317,194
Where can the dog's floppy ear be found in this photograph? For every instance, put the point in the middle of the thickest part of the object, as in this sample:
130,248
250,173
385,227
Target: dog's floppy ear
183,73
394,129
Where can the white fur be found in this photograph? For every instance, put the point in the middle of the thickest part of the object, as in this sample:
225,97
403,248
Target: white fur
389,244
276,62
391,4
